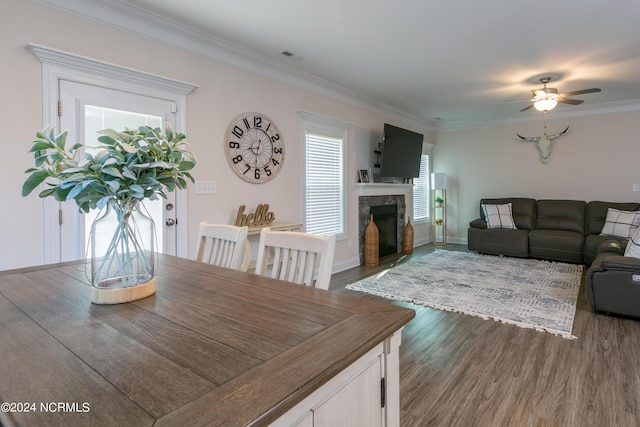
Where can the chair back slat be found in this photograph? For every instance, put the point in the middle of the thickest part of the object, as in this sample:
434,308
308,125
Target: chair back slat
296,257
292,266
222,245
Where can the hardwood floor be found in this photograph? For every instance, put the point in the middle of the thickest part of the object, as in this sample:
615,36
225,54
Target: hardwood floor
458,370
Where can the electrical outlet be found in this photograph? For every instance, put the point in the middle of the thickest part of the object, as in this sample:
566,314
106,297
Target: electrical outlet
636,187
206,187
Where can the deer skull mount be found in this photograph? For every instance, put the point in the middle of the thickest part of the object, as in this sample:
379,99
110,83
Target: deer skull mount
544,142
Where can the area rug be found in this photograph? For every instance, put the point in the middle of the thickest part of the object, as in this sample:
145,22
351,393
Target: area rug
528,293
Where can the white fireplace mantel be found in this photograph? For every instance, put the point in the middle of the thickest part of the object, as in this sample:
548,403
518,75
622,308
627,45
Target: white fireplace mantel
384,189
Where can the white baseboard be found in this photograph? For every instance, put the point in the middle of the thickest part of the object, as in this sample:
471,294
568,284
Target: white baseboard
458,240
346,264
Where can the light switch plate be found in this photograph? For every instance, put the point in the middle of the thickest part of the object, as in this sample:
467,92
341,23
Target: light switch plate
206,187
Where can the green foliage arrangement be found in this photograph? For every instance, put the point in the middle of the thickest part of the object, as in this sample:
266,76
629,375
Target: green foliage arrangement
130,166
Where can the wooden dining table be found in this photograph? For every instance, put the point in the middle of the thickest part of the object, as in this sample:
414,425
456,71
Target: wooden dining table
212,346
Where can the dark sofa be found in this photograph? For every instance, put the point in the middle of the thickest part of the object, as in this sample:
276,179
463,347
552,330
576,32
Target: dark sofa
558,230
568,231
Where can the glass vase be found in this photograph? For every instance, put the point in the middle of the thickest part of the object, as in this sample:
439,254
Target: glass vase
122,253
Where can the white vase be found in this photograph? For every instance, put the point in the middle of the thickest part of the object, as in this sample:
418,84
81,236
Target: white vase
122,253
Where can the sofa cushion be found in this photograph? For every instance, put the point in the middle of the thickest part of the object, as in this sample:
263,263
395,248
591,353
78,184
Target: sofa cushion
597,213
633,247
565,215
620,223
498,216
504,241
559,245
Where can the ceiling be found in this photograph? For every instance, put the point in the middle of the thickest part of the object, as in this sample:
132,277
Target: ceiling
452,62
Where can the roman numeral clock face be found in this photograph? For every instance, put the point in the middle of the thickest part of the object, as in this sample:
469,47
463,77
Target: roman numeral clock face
254,148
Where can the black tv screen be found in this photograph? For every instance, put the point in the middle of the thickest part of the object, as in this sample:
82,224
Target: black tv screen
401,151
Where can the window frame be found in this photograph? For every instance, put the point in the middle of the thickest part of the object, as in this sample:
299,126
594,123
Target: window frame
322,125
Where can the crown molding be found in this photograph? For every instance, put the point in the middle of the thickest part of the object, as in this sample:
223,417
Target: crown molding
324,120
132,19
98,69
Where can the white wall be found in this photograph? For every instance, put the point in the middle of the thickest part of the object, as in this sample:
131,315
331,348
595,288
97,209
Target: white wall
224,92
595,160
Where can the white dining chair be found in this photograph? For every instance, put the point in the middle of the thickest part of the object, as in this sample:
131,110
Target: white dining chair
223,245
296,257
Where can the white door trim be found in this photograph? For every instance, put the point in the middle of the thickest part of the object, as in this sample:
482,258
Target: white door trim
59,65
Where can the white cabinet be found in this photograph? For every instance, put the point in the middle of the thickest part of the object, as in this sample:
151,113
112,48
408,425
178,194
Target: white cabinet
365,394
358,403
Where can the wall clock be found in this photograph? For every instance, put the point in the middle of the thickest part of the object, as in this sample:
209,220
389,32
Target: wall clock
254,148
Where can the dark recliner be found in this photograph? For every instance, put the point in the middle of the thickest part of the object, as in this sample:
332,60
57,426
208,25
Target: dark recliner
559,231
504,241
613,283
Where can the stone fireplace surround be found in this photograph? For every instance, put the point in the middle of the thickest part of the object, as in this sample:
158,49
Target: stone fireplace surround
391,193
364,205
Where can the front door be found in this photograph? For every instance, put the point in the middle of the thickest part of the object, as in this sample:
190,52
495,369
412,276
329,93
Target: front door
86,109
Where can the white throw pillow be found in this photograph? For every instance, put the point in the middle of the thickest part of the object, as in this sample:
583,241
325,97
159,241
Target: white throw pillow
498,216
633,247
620,223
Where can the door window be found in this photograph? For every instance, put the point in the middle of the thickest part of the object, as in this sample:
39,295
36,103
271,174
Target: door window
86,110
99,118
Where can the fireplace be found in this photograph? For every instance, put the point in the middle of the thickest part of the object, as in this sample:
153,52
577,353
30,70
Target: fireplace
386,219
392,206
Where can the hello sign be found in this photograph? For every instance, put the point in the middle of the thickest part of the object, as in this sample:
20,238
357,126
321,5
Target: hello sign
260,218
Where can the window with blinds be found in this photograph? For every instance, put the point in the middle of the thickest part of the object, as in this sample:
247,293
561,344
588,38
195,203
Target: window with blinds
324,208
421,191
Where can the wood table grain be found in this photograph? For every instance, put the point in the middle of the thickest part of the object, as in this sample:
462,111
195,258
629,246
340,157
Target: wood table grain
211,347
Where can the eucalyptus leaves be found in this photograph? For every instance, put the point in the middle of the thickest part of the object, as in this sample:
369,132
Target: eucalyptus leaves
130,165
127,167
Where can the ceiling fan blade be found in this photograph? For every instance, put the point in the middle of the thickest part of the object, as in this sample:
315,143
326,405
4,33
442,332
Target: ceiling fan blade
582,92
526,108
570,101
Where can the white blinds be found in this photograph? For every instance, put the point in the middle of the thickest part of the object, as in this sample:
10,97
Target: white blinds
324,184
421,190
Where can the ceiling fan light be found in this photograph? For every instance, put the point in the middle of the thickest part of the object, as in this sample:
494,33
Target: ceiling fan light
545,104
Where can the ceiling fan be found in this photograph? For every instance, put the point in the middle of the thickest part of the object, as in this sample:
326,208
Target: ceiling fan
547,98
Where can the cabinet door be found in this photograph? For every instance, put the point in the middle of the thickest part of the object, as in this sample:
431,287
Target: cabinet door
358,403
307,421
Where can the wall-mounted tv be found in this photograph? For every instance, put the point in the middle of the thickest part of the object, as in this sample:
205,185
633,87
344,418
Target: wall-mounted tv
401,151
